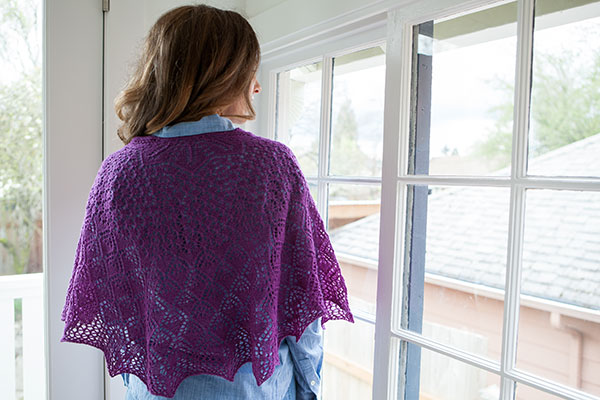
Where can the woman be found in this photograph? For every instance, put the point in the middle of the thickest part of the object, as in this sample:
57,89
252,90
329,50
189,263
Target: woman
203,269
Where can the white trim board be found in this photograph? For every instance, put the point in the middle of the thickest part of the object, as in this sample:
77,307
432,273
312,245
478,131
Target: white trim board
321,19
72,155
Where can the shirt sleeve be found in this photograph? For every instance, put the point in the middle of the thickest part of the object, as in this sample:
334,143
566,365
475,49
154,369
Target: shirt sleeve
307,356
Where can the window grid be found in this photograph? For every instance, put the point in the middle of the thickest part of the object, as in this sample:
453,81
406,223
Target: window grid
519,182
326,97
528,182
323,178
388,335
388,372
525,16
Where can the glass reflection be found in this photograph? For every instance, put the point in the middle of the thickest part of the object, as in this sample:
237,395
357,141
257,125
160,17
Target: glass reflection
298,114
357,113
564,137
463,98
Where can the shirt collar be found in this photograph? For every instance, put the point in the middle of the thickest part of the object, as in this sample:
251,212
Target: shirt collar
211,123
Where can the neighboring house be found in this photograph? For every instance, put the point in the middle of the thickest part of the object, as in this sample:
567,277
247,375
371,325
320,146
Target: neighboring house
466,254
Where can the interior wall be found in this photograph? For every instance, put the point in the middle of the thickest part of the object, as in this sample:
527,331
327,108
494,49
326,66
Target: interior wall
72,139
256,7
273,19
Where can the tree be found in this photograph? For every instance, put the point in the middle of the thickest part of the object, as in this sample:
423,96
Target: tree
347,158
565,101
20,135
565,107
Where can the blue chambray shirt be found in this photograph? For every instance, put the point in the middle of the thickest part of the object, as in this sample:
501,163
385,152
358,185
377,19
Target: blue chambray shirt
298,375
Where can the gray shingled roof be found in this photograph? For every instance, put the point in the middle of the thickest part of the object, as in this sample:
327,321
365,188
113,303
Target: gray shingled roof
467,232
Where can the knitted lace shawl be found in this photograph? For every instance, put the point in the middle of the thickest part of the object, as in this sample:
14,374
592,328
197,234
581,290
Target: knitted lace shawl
199,254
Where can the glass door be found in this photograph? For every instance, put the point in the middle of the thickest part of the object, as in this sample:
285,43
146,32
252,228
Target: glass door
22,361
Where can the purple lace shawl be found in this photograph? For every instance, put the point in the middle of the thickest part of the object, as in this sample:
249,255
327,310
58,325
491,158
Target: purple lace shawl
199,254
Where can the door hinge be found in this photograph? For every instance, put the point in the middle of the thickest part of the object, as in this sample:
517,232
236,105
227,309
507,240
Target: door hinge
105,5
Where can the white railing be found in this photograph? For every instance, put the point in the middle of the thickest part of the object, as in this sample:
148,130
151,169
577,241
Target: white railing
29,288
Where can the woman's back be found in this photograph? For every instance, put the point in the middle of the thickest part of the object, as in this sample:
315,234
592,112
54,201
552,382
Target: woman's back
199,254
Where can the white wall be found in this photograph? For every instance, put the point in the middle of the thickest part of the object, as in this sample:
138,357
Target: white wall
274,19
73,127
255,7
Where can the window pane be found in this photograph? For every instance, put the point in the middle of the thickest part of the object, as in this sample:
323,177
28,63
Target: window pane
463,94
444,378
22,363
357,113
525,392
353,220
565,122
456,250
561,270
313,187
298,114
353,226
348,361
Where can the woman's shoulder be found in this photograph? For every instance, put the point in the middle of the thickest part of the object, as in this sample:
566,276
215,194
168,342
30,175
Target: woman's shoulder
254,151
267,143
151,143
272,149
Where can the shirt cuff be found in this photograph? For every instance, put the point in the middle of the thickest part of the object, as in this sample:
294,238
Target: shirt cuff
309,385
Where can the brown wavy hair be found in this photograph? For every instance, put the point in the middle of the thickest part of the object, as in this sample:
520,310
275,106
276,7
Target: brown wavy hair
196,61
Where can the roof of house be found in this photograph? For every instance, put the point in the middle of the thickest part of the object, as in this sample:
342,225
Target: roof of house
467,232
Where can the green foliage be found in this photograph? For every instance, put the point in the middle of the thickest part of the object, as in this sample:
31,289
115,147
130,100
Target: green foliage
20,33
565,102
565,107
347,158
496,148
20,133
21,160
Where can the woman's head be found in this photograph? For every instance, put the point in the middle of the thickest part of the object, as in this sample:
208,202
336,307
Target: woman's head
197,61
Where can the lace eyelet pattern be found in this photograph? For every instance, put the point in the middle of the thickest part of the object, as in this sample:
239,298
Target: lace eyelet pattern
197,255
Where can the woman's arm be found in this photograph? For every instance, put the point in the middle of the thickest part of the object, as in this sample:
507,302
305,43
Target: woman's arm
307,356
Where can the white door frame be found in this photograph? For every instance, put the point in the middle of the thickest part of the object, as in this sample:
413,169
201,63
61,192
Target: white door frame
72,136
